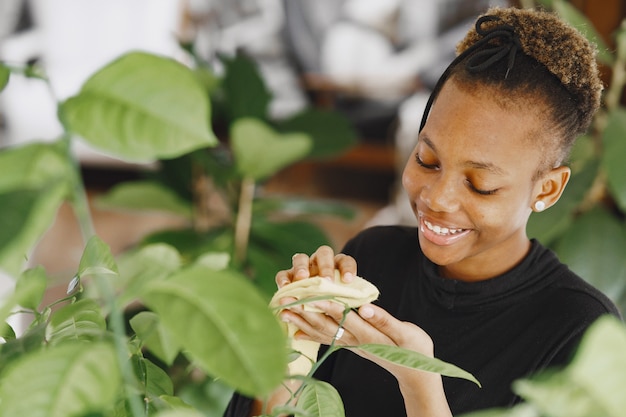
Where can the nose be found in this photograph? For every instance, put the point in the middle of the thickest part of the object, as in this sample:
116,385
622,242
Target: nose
440,193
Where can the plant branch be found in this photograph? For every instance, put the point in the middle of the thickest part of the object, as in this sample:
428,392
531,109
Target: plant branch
244,219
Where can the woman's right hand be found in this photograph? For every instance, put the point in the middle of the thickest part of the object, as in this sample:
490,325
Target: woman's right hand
323,263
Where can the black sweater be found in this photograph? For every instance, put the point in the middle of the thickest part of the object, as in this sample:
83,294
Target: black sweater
501,329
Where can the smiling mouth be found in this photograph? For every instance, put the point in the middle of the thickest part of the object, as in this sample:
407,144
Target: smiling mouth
442,231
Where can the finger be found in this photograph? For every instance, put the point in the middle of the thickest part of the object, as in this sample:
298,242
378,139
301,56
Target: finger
300,266
322,262
283,278
401,333
346,266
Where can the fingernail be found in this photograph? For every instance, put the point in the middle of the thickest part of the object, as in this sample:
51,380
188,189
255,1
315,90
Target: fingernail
302,273
366,312
284,318
348,277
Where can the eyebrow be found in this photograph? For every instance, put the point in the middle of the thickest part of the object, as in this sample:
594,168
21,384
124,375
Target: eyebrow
488,166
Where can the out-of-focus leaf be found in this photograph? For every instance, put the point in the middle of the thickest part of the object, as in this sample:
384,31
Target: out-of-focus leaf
141,107
550,224
30,287
576,18
416,360
229,331
67,380
24,217
5,73
80,321
594,247
245,92
260,152
33,166
144,196
320,399
331,132
96,259
156,338
614,154
31,341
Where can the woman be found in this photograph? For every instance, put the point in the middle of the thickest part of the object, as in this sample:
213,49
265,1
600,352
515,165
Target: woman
472,289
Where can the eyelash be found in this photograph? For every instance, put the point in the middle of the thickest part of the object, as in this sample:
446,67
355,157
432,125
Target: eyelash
468,182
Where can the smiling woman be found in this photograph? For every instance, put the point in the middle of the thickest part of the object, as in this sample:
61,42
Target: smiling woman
467,285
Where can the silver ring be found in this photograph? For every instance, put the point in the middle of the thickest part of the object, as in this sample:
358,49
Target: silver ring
340,332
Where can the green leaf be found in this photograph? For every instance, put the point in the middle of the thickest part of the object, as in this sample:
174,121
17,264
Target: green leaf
549,225
66,380
260,152
30,287
600,364
179,413
142,107
214,260
228,329
24,217
33,166
155,337
144,196
576,18
97,259
245,92
32,340
141,266
614,139
5,73
79,321
6,331
320,399
594,248
331,132
412,359
154,381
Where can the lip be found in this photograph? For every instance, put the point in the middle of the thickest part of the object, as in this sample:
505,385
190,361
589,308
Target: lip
437,238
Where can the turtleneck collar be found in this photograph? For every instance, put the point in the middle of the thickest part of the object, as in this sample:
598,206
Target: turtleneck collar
529,276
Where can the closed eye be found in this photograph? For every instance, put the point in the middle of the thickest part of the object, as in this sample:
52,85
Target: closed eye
425,165
479,191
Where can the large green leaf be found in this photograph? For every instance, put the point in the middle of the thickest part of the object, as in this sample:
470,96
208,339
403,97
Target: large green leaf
244,89
31,341
600,364
594,247
576,18
260,152
591,385
24,217
296,206
144,196
5,73
66,380
141,107
320,399
225,326
30,287
550,224
143,265
331,132
97,259
33,166
614,138
416,360
155,337
79,321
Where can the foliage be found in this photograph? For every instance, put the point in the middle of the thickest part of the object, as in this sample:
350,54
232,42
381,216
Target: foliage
587,227
184,305
591,385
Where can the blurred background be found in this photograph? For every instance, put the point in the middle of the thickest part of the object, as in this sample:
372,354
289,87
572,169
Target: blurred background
374,61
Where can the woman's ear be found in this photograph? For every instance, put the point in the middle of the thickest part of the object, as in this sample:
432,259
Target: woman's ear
550,188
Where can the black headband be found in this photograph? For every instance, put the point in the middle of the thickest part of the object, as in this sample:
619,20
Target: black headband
508,46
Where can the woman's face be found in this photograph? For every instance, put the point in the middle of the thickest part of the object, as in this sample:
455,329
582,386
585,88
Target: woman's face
470,183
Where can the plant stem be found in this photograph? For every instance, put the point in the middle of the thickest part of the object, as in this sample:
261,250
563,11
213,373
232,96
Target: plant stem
244,219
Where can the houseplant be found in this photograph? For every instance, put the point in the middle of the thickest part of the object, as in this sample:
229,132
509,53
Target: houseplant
199,301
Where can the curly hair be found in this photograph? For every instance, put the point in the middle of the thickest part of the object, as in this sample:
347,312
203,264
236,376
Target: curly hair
533,55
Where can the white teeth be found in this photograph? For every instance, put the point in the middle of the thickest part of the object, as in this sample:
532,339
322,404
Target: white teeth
441,230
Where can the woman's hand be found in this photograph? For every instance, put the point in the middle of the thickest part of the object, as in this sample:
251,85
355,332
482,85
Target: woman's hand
322,263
